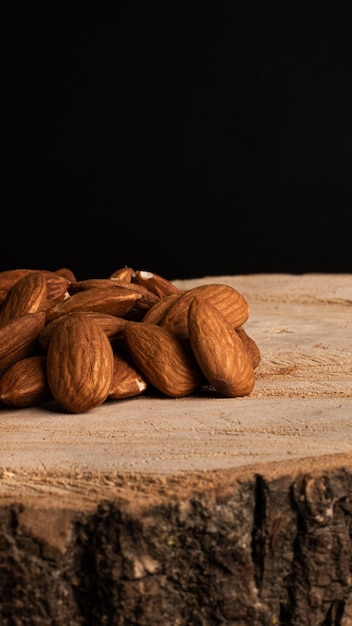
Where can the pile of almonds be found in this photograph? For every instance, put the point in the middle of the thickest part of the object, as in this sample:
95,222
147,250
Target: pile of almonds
83,342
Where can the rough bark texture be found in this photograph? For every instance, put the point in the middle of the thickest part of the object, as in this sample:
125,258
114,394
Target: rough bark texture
261,553
200,511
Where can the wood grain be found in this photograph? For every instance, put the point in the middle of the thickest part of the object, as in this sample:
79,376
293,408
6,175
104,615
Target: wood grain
199,510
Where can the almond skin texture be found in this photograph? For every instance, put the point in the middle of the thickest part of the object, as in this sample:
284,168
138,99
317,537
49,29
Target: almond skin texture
159,285
127,380
24,384
230,302
123,273
27,295
8,278
89,283
19,338
219,350
113,327
114,301
56,284
162,359
57,287
140,307
250,345
66,273
157,312
80,364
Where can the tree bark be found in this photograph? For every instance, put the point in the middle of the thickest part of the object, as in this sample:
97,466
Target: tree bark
257,552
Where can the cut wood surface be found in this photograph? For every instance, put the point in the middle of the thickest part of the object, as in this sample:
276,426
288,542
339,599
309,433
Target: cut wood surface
301,405
245,502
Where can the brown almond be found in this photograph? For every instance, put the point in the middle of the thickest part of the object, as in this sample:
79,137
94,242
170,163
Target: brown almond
162,359
114,301
8,278
127,381
140,307
250,345
80,364
89,283
66,273
218,349
157,312
56,284
123,273
143,305
154,282
24,384
19,338
27,295
112,325
57,287
230,302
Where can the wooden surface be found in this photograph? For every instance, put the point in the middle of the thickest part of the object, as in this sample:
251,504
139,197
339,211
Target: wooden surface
301,405
145,462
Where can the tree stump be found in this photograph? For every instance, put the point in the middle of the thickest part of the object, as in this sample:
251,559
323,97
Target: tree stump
197,511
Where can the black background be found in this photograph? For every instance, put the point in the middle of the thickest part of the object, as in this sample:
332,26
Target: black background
186,139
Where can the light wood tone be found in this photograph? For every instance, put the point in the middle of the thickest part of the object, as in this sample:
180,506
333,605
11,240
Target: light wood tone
299,411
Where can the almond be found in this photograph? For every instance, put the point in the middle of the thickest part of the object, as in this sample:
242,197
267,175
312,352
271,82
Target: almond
165,361
56,284
230,302
140,307
24,384
123,273
66,273
143,305
250,345
19,338
80,364
8,278
89,283
127,380
154,282
218,349
57,287
157,312
114,301
27,295
113,327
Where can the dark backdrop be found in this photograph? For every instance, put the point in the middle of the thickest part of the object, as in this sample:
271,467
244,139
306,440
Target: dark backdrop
189,139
